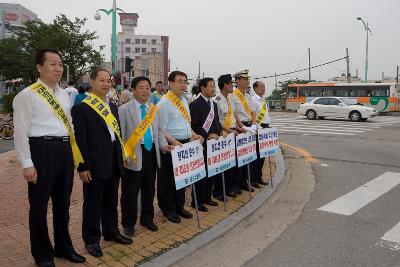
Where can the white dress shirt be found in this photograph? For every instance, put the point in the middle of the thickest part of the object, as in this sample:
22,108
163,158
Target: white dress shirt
33,117
258,102
239,108
208,99
222,105
139,110
72,93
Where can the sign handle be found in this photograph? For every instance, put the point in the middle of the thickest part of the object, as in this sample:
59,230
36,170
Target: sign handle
248,180
223,188
195,203
270,171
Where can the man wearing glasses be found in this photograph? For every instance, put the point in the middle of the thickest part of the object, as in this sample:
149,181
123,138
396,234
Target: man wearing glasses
175,119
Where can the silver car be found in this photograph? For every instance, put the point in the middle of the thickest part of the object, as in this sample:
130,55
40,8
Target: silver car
335,107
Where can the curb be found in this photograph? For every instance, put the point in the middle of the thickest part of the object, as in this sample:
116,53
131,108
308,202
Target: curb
7,153
184,250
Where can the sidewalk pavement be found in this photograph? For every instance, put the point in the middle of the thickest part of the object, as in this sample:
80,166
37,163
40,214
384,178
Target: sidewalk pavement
147,245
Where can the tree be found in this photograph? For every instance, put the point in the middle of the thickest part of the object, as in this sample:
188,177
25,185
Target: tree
279,94
75,45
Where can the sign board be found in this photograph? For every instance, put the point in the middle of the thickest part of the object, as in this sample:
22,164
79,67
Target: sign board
221,154
188,164
246,148
268,144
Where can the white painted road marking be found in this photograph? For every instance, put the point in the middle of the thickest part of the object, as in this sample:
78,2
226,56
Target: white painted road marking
360,197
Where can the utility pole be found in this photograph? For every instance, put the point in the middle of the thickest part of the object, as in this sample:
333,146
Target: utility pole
276,82
2,24
348,66
122,64
397,74
309,65
198,77
383,77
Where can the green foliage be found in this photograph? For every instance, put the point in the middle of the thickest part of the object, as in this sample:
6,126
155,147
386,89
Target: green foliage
7,102
75,45
280,94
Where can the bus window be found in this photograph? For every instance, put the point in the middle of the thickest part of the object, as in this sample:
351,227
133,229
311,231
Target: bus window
304,91
315,92
292,92
379,92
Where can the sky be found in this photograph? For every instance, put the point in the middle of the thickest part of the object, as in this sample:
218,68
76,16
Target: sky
264,36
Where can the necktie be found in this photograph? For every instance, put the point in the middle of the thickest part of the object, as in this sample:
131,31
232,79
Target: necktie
148,142
209,103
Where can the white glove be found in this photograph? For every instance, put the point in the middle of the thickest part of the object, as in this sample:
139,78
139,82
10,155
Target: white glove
259,127
248,129
254,128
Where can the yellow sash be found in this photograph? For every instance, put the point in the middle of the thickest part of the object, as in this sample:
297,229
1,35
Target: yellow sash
139,131
48,97
179,105
263,111
100,107
243,100
228,119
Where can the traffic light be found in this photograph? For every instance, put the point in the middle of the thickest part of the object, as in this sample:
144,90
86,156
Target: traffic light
128,64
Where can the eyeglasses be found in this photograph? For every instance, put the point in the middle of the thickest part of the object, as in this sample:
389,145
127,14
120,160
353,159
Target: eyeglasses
182,81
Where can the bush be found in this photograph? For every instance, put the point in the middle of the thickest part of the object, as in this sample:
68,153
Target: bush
7,102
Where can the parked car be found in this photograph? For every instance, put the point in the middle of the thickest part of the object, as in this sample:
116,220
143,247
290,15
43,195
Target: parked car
335,107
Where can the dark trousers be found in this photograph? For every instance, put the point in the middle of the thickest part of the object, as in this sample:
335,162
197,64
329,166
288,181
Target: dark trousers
257,165
169,199
133,181
204,187
55,168
230,182
100,201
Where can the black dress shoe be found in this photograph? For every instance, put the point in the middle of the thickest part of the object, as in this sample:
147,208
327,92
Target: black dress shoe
256,185
247,188
128,231
212,203
72,257
202,208
231,194
94,250
46,264
172,217
261,182
237,191
120,239
220,198
184,213
151,226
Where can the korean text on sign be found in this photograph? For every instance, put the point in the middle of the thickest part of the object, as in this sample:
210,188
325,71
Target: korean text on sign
246,148
188,164
221,154
268,142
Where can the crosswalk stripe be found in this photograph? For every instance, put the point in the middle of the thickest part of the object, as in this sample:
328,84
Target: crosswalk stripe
325,126
329,124
317,132
336,128
316,128
363,195
393,235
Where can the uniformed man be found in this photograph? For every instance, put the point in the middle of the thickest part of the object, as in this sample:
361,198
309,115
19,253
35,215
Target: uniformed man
261,109
228,123
45,144
175,121
244,114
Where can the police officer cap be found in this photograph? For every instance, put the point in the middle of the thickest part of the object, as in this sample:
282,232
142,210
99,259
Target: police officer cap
242,74
224,78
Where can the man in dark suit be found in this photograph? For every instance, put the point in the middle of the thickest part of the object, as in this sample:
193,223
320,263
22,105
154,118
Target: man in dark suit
205,122
103,165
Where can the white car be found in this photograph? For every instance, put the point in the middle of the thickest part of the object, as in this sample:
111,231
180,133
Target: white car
335,107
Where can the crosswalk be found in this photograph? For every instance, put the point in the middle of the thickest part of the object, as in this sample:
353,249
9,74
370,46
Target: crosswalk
360,197
296,124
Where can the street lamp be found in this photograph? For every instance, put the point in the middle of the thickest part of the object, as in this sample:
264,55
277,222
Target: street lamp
367,29
113,12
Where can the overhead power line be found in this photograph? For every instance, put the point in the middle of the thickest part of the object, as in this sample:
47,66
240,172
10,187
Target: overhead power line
300,70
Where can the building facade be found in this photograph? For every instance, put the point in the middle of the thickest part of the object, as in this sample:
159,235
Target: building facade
13,16
150,51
